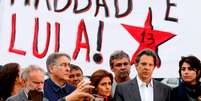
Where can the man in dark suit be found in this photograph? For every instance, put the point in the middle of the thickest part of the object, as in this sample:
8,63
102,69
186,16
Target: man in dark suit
33,77
120,66
143,87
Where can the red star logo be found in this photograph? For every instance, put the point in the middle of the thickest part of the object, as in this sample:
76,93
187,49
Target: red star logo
148,37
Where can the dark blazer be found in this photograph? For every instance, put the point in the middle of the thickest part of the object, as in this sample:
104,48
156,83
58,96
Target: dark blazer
129,91
21,97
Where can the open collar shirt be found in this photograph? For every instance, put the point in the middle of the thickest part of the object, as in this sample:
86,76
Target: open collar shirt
146,90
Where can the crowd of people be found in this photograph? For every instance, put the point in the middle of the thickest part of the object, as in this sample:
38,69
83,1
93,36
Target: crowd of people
66,81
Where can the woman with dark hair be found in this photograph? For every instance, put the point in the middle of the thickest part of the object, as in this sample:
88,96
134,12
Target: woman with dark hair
189,88
10,80
102,81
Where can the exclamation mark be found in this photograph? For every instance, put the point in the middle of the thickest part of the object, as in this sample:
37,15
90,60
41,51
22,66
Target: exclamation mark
12,2
98,58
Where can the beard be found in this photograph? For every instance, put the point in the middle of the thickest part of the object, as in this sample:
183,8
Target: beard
123,75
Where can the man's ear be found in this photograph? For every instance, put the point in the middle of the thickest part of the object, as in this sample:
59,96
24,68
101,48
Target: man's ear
18,80
51,68
23,81
136,64
112,68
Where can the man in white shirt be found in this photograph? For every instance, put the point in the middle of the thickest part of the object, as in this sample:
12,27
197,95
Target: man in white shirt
143,87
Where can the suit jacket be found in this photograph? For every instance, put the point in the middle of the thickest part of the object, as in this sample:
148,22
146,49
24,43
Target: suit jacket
21,97
129,91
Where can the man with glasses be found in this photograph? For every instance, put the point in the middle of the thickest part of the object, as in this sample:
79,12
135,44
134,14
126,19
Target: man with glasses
56,88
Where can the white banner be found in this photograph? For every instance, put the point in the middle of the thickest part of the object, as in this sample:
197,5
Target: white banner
86,29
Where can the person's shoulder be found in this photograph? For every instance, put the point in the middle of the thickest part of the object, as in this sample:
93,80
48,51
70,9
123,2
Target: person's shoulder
13,98
45,99
47,81
162,85
10,98
126,83
19,97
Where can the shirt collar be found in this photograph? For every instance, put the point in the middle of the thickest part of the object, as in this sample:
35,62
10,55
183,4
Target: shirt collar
141,83
25,92
54,86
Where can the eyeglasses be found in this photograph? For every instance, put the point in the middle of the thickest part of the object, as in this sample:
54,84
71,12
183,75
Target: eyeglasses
63,64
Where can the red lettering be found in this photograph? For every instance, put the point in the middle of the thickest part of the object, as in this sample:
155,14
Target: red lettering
12,41
35,41
79,44
57,37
